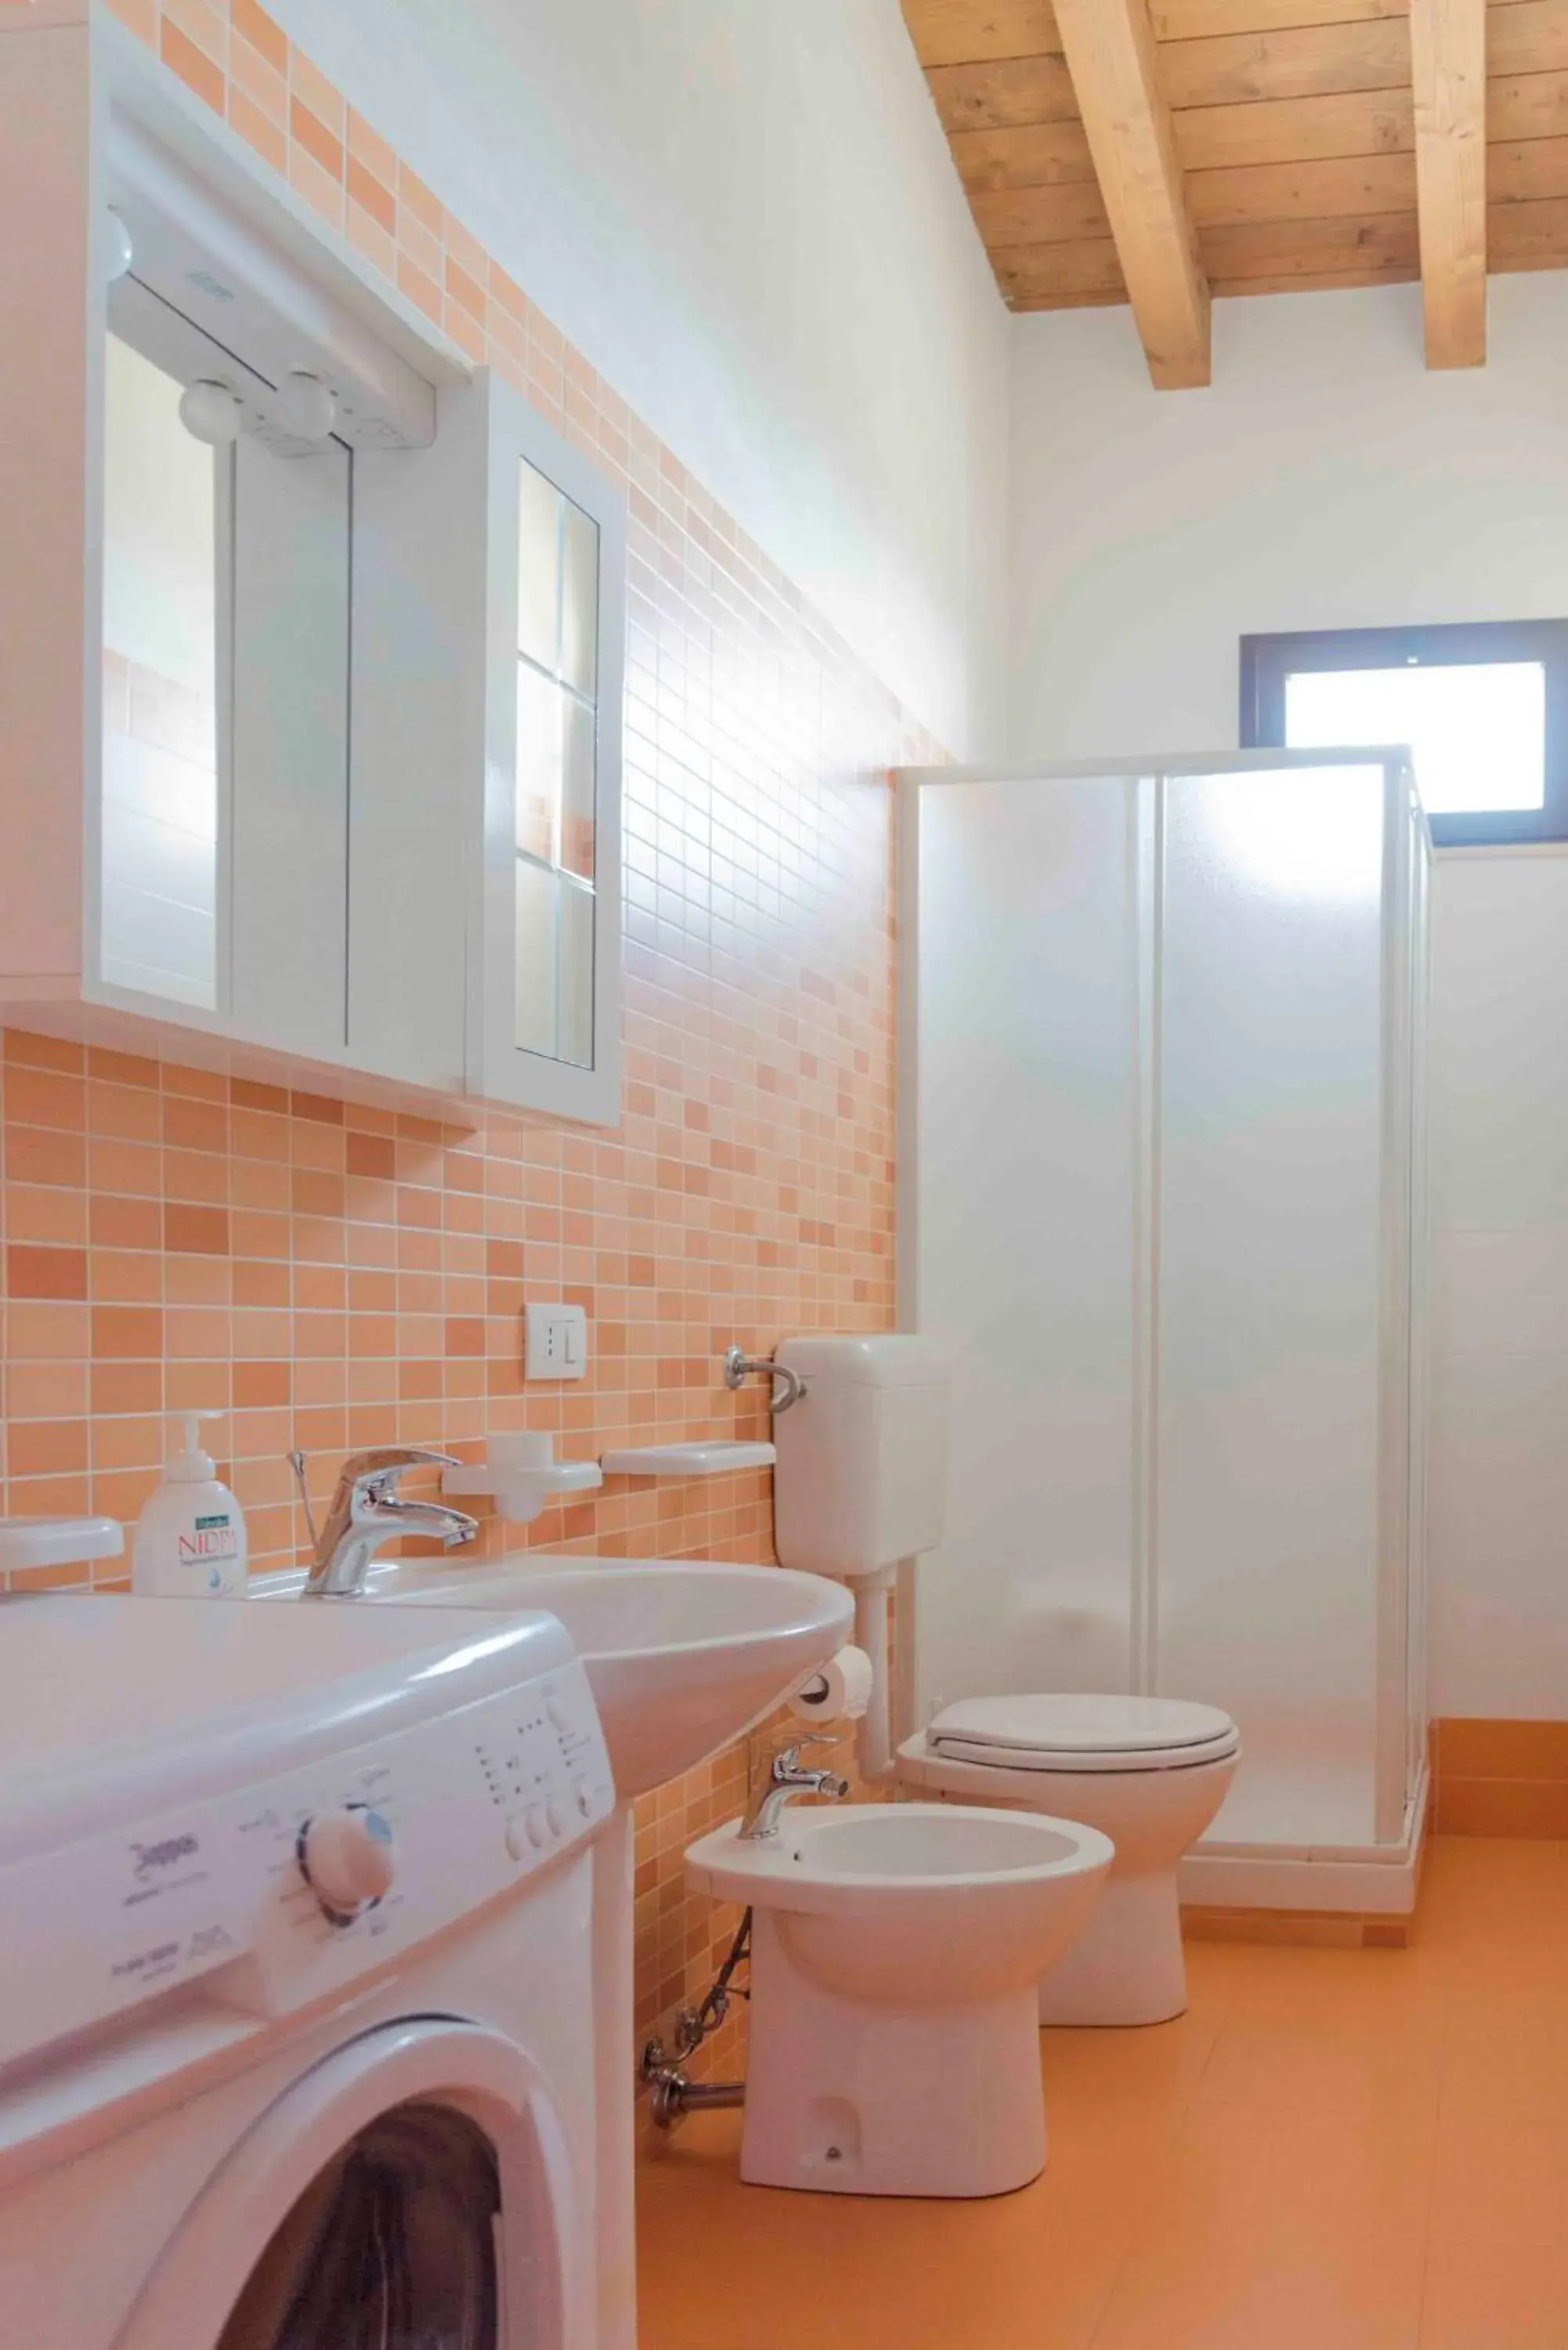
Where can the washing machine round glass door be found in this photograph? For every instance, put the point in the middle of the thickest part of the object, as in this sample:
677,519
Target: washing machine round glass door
414,2191
391,2247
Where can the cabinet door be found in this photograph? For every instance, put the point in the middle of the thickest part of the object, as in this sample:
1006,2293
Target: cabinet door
288,802
549,986
221,882
167,498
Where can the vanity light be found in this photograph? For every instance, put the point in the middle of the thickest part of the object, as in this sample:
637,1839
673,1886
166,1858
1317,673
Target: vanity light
117,247
305,406
211,413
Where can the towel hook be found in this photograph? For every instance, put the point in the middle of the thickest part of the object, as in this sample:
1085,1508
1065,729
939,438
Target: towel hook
740,1367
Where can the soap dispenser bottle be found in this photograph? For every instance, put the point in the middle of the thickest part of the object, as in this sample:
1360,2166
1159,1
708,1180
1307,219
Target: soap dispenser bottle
191,1535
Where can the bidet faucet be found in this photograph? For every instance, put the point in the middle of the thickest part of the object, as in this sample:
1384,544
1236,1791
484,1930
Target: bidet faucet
786,1780
366,1511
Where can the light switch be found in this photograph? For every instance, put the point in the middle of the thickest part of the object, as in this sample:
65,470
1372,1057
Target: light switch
557,1342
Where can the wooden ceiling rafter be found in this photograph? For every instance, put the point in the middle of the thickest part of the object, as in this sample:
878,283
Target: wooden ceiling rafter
1313,150
1447,54
1109,48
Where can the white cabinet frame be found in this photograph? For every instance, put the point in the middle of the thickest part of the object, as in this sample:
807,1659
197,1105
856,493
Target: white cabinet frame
429,899
498,1068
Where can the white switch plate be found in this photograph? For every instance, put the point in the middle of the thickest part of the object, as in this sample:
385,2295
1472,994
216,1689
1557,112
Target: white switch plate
556,1343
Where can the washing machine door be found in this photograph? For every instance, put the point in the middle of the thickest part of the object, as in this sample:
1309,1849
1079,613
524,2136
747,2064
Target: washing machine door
412,2192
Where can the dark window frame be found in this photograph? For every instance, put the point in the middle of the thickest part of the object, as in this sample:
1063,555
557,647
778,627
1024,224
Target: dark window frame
1267,661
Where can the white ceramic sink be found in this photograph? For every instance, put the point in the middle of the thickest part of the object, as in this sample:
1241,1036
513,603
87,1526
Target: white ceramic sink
683,1656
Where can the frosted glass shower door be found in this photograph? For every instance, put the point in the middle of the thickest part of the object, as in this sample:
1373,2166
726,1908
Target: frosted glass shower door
1268,1457
1021,1241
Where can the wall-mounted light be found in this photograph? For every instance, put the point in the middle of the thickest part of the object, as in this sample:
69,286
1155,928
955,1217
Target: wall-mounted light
211,413
306,407
117,247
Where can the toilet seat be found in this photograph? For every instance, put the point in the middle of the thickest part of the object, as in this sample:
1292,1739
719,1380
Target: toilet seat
1069,1733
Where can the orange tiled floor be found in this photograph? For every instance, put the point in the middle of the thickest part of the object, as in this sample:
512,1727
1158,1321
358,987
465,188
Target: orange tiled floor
1350,2150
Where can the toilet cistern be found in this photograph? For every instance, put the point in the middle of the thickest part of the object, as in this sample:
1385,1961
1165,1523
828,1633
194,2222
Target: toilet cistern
784,1781
368,1510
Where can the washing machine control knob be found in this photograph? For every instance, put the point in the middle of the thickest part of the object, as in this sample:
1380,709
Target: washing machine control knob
348,1859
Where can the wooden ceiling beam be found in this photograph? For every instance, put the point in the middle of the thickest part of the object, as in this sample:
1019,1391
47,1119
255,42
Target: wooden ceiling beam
1109,46
1447,57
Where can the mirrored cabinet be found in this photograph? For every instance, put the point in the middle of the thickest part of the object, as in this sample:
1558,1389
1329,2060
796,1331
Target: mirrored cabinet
310,688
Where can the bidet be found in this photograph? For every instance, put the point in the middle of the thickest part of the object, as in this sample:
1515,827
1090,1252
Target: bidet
897,1948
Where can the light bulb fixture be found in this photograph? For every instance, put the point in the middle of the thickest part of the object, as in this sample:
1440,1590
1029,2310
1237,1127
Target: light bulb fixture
306,407
117,245
211,413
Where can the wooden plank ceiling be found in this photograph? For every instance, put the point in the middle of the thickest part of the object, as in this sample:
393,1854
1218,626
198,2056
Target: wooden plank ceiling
1162,150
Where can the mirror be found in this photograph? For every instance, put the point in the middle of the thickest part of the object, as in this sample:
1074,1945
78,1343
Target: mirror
225,819
161,498
557,771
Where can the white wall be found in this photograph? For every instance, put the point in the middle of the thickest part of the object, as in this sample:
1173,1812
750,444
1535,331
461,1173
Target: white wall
745,217
1500,1430
1327,480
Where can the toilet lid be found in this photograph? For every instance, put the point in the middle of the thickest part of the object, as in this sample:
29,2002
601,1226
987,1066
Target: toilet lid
1073,1732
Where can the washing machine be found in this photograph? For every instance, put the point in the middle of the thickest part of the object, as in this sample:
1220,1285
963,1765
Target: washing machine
296,2042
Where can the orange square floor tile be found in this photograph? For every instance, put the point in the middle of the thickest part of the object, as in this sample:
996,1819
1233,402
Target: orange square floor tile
1332,2150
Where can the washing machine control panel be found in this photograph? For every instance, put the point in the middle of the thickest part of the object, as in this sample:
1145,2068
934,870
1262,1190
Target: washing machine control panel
300,1884
349,1864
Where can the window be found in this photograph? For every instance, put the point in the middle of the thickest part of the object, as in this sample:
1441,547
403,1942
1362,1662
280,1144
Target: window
1483,708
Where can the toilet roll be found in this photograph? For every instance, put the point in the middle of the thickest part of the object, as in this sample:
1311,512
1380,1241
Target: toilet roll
840,1691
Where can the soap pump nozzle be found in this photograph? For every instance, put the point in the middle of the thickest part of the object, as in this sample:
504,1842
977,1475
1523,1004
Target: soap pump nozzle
192,1464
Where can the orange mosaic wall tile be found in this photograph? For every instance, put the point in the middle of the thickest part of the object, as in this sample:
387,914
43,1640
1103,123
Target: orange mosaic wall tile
330,1275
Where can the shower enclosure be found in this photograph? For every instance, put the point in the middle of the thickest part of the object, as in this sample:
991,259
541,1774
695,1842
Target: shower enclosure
1161,1191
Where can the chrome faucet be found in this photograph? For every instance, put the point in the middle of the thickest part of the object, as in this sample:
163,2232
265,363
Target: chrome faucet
784,1781
368,1510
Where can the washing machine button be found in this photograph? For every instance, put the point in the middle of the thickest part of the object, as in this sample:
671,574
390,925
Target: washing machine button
556,1819
526,1831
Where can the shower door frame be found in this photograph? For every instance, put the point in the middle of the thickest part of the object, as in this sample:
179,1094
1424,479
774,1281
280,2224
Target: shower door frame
1400,1775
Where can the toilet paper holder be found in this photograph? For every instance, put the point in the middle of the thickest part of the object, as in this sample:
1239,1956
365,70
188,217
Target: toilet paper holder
838,1691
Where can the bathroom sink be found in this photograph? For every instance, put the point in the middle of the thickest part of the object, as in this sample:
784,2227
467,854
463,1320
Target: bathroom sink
683,1656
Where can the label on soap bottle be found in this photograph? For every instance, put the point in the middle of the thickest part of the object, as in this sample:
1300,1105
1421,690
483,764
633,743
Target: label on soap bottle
213,1537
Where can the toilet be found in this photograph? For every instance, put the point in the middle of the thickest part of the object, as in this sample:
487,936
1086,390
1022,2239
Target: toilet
896,1954
861,1485
1149,1773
